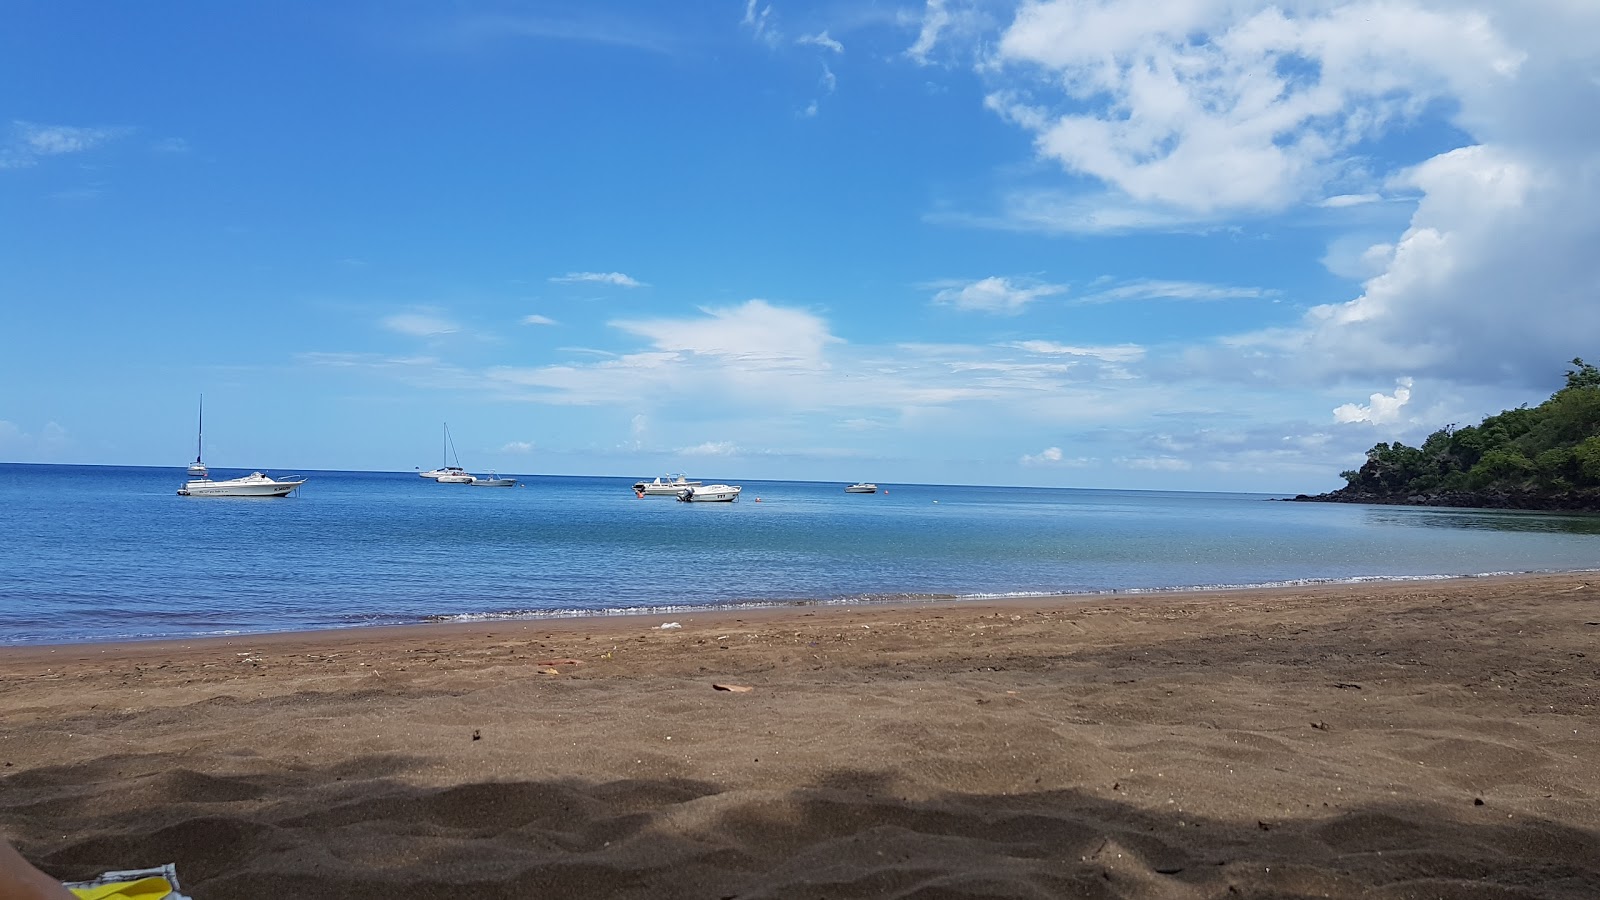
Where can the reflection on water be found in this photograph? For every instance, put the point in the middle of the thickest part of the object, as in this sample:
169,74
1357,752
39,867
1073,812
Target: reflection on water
1485,519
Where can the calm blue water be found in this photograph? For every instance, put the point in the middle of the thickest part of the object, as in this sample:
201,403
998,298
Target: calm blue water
93,553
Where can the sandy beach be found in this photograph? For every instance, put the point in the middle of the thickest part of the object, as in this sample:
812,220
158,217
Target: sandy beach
1394,740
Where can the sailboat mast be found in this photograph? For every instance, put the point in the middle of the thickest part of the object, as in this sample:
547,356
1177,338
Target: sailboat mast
200,435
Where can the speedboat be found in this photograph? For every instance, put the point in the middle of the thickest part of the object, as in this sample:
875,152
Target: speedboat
861,487
663,486
711,493
494,481
256,484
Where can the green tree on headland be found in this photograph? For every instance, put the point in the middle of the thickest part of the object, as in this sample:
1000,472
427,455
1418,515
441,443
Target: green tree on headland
1546,457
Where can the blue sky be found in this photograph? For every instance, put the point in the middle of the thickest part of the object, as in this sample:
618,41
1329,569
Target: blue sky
1189,244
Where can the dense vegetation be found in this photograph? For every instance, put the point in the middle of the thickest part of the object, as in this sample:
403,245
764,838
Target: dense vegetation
1547,457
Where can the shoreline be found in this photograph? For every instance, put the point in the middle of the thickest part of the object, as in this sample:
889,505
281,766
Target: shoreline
473,621
1394,739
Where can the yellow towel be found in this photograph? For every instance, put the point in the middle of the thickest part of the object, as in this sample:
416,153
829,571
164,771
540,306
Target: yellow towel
143,889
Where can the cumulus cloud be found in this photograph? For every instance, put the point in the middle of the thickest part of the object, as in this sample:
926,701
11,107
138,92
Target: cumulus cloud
754,331
1382,409
1053,457
1208,107
50,444
420,324
613,278
1003,296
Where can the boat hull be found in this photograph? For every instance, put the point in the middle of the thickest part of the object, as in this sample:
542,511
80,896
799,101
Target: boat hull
256,485
455,479
660,488
861,489
494,482
712,493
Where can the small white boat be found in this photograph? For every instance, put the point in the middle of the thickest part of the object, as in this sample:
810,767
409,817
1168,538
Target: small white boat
710,493
663,486
494,481
861,487
256,484
456,478
197,469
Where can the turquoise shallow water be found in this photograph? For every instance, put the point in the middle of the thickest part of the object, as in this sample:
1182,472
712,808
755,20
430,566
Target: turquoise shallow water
94,553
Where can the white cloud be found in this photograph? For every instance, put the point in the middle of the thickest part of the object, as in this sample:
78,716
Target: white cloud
1120,353
1341,201
29,142
420,324
517,447
536,319
760,21
753,332
1155,463
615,278
994,294
1204,107
712,448
819,40
1053,457
50,444
1154,289
1383,409
934,19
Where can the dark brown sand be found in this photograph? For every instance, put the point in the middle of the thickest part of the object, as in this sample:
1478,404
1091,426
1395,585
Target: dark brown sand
1434,739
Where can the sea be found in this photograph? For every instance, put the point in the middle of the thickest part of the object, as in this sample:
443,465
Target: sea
110,553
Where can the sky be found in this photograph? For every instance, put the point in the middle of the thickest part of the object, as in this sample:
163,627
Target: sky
1209,245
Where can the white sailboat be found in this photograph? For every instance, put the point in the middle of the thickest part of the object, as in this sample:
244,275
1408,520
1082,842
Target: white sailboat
197,469
448,474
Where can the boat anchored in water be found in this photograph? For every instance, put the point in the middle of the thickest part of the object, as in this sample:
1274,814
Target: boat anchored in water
197,469
664,486
861,487
448,474
494,481
256,484
710,493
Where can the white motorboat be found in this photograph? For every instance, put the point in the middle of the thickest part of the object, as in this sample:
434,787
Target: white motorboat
494,481
861,487
256,484
663,486
197,469
456,478
711,493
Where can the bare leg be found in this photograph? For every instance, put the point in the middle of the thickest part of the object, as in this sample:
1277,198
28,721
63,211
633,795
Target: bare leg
21,881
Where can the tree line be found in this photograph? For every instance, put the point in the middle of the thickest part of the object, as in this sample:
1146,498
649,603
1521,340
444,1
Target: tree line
1547,456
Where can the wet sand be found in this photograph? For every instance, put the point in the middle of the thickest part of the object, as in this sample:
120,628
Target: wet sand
1393,740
